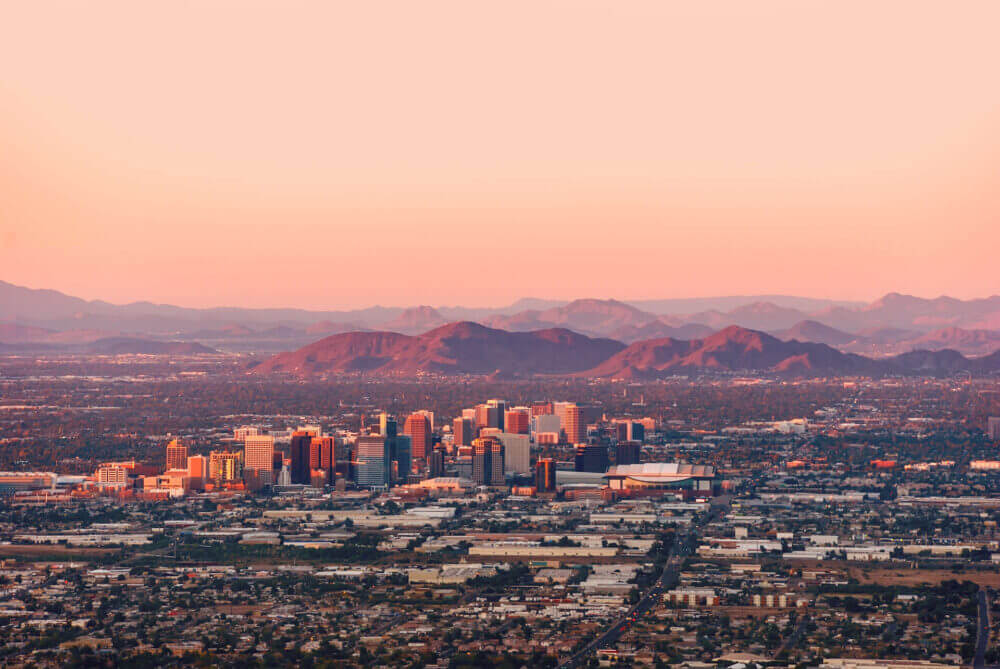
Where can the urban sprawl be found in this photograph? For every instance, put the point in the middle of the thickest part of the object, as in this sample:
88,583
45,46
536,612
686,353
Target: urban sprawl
840,523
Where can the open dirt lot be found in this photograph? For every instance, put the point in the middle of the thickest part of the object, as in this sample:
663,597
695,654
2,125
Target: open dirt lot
52,552
989,578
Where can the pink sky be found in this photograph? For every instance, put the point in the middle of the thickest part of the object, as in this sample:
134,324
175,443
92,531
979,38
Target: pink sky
335,154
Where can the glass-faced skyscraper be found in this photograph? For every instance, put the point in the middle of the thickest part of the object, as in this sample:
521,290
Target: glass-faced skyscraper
382,461
400,457
487,461
371,456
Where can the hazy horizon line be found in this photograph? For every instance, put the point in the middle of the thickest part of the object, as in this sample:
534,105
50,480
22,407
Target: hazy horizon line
511,302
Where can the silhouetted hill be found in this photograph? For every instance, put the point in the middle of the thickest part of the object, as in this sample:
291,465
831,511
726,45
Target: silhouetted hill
12,333
816,333
331,327
893,341
967,342
415,320
456,348
756,316
934,362
914,313
888,335
55,310
128,345
731,349
659,330
593,317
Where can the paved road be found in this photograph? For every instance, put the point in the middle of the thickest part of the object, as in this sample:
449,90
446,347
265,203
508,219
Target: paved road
683,546
793,638
983,630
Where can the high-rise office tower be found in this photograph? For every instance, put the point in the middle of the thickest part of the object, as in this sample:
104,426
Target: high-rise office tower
517,421
488,461
301,445
323,456
435,463
993,428
428,414
345,466
197,466
636,432
258,457
545,475
314,448
501,407
370,456
177,455
400,457
591,458
224,467
516,453
464,431
628,453
545,423
328,457
386,425
571,418
418,428
481,416
487,416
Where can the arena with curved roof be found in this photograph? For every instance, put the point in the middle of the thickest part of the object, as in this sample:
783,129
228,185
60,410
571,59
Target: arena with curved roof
661,476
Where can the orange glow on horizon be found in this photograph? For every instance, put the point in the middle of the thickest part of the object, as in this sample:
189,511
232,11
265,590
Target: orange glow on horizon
333,155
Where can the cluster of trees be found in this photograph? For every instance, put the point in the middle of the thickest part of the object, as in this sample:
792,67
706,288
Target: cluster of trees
503,579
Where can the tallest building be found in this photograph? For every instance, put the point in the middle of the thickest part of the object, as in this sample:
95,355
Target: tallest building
418,428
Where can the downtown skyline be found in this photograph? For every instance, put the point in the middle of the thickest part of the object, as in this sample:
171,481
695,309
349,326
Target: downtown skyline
458,335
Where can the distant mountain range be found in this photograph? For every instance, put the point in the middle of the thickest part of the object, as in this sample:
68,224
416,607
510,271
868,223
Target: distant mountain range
591,317
895,324
110,346
415,320
893,341
471,348
128,345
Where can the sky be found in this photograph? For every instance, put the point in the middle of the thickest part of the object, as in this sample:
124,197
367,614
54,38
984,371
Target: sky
343,154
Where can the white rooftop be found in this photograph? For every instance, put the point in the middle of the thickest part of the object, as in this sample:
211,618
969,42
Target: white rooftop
662,470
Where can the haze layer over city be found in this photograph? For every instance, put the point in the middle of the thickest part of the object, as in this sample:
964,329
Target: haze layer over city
459,335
